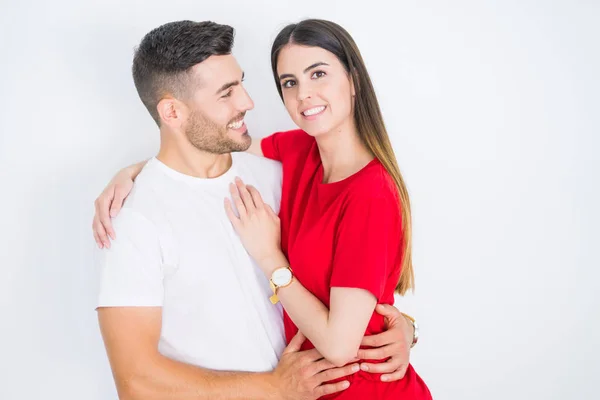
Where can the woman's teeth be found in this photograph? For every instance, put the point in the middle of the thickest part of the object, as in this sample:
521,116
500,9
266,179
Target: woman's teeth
313,111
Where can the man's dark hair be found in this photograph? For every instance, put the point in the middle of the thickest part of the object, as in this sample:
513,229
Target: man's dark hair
166,54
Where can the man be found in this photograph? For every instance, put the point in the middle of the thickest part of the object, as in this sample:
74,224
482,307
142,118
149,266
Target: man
184,312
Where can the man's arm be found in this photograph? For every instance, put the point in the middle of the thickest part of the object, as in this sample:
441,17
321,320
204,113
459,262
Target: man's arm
393,345
131,336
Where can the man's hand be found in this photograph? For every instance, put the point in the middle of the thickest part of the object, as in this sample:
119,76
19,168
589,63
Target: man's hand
300,375
394,343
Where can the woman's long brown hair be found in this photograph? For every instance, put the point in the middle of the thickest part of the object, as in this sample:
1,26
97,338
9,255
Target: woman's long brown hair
367,114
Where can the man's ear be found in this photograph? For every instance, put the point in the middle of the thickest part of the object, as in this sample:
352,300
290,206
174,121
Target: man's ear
171,112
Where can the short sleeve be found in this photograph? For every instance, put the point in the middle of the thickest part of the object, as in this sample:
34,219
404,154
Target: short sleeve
281,145
131,270
367,243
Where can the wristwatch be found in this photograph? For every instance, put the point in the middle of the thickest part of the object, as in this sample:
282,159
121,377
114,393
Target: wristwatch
415,329
280,278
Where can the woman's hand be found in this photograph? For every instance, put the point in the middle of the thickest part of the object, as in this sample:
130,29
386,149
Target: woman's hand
108,205
257,225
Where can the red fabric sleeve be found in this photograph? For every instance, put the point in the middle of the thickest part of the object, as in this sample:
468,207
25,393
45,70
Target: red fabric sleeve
281,145
270,146
367,243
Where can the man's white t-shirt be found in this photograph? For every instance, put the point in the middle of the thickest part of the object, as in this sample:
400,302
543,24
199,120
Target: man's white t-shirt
175,248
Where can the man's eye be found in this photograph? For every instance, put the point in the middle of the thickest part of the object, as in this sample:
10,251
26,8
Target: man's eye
228,94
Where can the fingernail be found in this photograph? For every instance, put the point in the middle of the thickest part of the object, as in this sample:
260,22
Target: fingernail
364,367
107,245
355,368
345,385
384,378
113,213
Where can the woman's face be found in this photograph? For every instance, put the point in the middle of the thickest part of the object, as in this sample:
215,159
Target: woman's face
317,90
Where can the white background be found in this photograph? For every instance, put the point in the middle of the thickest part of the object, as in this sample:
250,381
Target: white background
493,109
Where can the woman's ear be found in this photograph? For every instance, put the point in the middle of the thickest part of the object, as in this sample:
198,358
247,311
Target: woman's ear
354,82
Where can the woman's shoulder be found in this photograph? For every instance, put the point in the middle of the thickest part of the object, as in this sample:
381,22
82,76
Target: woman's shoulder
374,182
294,137
285,145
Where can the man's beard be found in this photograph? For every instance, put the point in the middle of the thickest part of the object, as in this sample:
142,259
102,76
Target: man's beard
207,136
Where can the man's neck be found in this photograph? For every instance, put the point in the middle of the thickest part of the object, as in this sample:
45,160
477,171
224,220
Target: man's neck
189,160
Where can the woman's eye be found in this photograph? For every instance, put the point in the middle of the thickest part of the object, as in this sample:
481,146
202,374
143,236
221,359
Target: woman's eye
318,74
288,84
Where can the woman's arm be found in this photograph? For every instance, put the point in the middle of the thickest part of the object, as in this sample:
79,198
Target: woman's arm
259,230
135,169
336,332
110,201
255,147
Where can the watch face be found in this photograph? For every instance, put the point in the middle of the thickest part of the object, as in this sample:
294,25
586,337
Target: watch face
281,276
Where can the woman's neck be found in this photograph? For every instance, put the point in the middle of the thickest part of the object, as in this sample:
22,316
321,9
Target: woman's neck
342,153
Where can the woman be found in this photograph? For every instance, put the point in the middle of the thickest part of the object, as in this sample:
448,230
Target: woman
344,225
345,214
